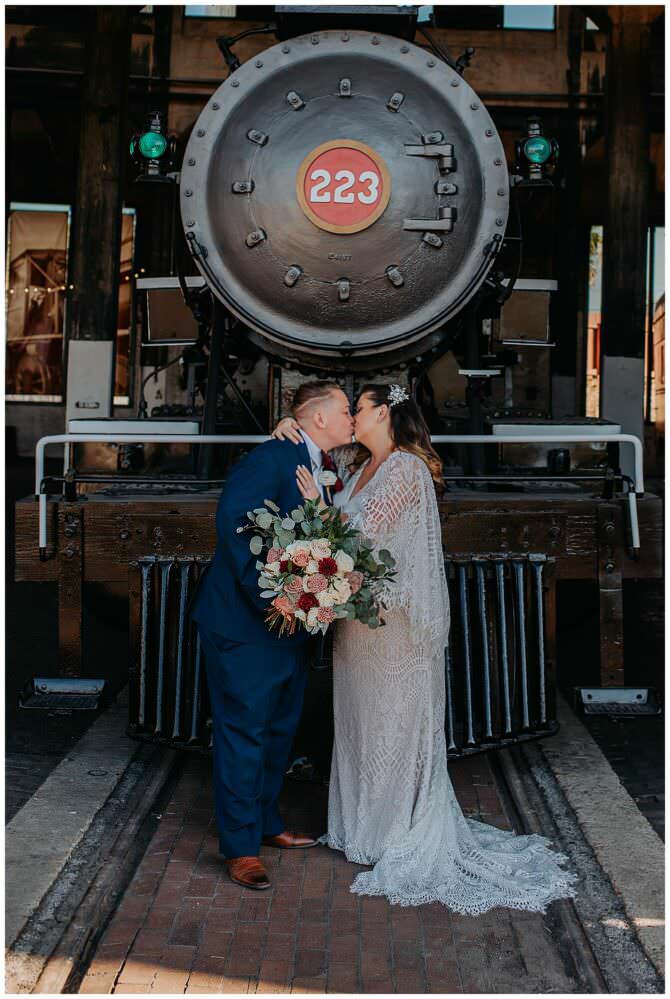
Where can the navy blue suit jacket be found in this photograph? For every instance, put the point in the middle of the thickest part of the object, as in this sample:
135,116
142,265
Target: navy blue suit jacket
228,599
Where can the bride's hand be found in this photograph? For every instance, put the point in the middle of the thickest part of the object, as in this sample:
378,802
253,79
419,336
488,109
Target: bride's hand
306,484
288,429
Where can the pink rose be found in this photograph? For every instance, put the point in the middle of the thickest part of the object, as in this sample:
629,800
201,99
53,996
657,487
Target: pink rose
283,605
300,558
355,580
274,555
326,615
316,583
294,585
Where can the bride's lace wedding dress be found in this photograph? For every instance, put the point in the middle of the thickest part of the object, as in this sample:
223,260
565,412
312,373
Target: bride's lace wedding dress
391,801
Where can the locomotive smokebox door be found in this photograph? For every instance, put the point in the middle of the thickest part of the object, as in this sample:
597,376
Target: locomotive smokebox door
343,194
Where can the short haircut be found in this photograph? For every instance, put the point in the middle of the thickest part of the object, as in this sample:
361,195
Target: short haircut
312,392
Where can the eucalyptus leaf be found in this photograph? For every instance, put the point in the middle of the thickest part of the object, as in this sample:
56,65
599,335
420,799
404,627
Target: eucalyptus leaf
256,545
268,593
271,505
373,622
385,556
298,515
306,527
264,520
287,524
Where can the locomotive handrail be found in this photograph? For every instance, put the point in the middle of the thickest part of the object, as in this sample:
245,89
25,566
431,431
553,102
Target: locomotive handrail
148,438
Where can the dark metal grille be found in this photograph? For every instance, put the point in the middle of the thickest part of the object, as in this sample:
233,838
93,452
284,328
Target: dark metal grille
499,666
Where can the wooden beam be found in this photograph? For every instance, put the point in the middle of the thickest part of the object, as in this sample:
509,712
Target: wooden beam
96,231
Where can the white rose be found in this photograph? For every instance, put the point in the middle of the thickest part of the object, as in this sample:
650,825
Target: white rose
345,563
312,566
327,478
300,614
311,617
272,569
340,589
325,598
320,548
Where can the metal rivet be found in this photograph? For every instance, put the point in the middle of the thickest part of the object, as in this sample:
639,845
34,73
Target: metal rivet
474,106
455,83
258,64
315,39
216,106
190,223
187,194
500,221
489,131
345,37
234,83
285,49
404,49
200,132
431,63
191,162
375,40
497,162
501,192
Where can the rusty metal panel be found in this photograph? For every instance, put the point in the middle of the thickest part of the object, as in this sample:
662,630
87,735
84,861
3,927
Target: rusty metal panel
564,528
70,583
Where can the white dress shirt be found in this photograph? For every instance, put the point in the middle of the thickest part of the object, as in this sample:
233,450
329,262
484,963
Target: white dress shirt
315,458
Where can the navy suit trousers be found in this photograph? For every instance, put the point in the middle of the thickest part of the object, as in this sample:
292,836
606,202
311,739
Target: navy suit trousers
256,693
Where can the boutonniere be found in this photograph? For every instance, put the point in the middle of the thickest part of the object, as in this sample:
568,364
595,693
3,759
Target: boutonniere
327,479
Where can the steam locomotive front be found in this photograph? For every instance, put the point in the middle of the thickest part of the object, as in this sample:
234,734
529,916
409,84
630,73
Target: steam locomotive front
344,195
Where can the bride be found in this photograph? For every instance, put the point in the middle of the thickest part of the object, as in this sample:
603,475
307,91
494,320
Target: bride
391,802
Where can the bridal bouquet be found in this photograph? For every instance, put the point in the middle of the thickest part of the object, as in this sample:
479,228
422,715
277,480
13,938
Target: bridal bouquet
314,570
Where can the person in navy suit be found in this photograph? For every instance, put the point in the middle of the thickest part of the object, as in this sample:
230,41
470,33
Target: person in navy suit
256,679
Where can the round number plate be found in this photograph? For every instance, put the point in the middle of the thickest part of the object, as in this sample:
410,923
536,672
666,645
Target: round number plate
343,186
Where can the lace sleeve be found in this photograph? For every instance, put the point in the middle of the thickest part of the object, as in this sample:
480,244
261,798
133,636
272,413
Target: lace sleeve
401,514
395,495
343,457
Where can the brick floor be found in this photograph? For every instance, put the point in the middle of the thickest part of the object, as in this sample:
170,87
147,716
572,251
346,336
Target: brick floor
182,926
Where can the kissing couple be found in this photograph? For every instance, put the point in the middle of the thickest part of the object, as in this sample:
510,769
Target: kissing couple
391,802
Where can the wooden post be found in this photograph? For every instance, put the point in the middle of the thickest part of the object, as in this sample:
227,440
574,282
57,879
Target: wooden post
70,588
571,241
625,225
96,230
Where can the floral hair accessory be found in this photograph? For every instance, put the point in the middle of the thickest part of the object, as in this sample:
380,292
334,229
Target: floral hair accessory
397,394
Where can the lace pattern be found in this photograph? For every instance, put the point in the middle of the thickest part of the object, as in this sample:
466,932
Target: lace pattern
399,512
391,801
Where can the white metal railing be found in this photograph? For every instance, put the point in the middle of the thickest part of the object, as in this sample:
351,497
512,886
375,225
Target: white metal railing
67,439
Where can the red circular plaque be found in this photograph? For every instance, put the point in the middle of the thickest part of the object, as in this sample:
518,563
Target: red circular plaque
343,186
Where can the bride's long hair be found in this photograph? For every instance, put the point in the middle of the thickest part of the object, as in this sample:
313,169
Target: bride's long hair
408,430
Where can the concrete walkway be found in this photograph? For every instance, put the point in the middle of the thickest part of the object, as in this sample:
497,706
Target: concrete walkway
44,833
630,852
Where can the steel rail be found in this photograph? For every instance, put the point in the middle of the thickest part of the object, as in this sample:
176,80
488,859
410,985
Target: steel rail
148,438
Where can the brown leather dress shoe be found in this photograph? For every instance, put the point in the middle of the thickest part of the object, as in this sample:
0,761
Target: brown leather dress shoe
248,872
290,841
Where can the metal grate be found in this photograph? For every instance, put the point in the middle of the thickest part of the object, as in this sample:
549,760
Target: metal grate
499,666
